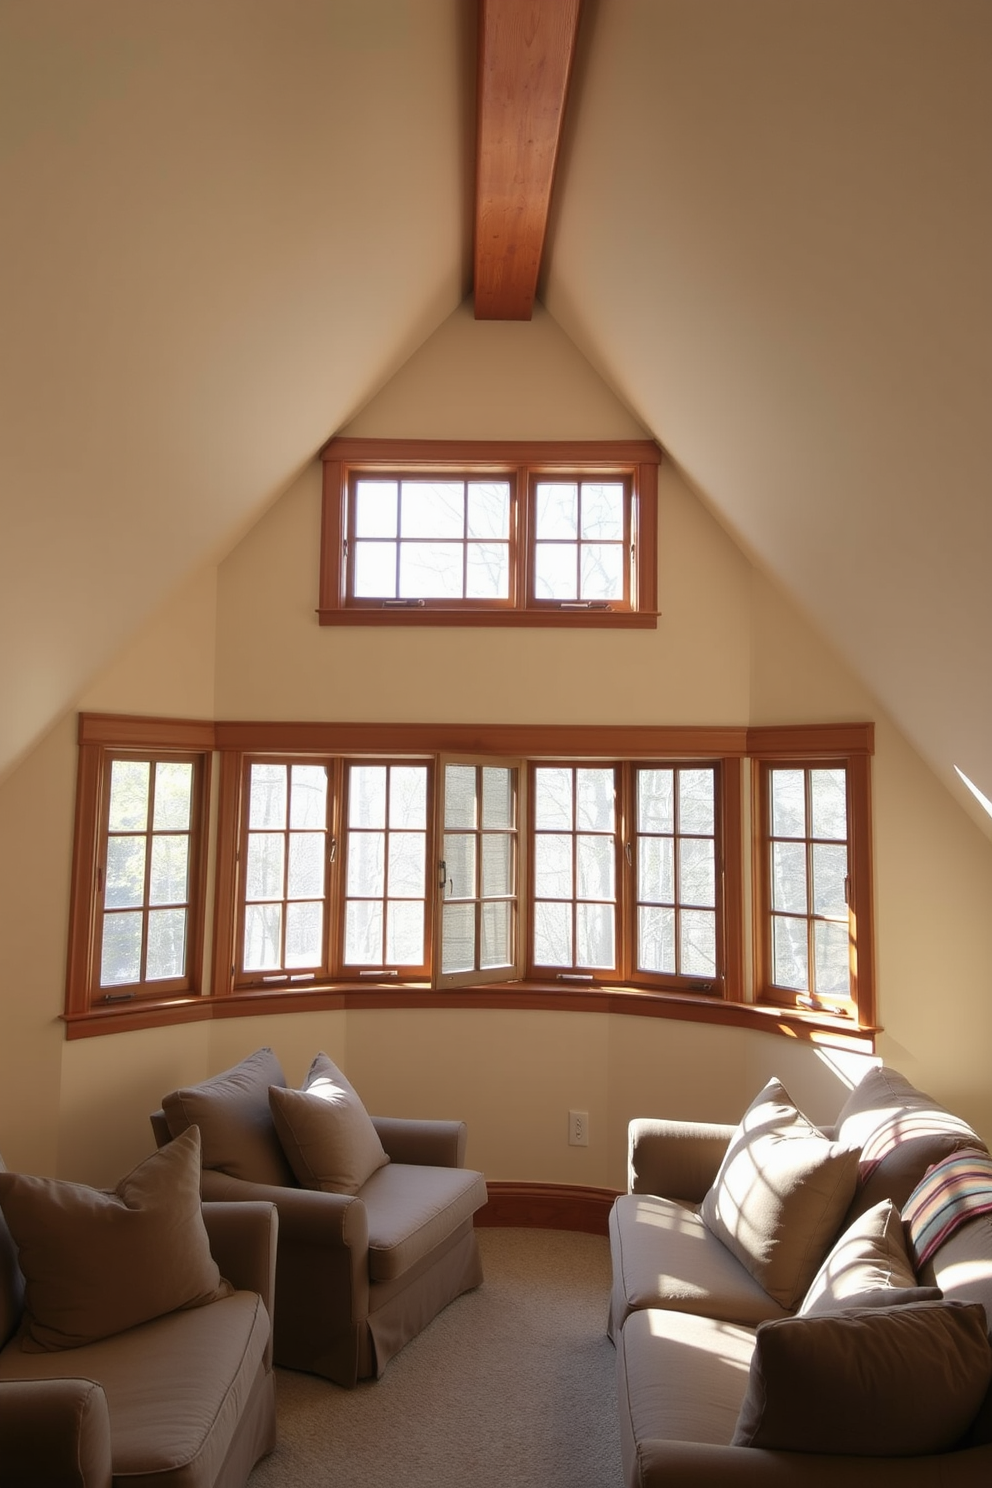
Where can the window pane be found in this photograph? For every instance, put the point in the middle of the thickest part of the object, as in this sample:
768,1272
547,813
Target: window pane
496,947
375,508
594,800
697,877
408,796
788,801
555,571
366,864
173,796
267,797
698,948
125,872
552,866
304,934
433,509
557,510
656,870
458,938
129,795
489,509
696,811
121,951
308,796
789,876
602,572
306,865
656,939
656,800
553,799
459,796
459,865
553,934
594,935
363,933
405,931
829,875
263,937
497,796
375,570
166,944
431,571
264,872
596,863
602,511
828,803
367,796
790,953
831,951
497,864
169,878
406,864
487,571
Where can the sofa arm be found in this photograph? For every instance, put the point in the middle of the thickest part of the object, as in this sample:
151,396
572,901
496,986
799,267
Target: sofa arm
679,1464
433,1144
55,1433
675,1159
305,1214
243,1243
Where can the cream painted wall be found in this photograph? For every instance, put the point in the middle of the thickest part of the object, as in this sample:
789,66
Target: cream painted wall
728,649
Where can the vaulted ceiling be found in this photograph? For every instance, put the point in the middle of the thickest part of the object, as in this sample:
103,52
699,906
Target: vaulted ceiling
227,222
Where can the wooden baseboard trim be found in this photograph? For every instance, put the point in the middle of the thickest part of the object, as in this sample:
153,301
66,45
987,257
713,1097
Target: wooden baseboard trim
548,1206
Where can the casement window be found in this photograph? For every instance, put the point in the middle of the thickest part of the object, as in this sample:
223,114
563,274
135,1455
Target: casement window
138,874
813,884
441,533
353,861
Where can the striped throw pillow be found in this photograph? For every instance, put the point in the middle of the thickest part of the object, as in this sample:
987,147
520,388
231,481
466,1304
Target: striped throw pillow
953,1191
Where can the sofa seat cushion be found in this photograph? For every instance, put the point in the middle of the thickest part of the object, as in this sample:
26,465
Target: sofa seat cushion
411,1209
680,1378
665,1256
176,1387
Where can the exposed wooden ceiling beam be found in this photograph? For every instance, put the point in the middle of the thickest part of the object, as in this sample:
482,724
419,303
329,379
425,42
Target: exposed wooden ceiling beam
525,58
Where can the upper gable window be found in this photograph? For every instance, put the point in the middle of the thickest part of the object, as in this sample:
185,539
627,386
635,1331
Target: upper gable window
445,533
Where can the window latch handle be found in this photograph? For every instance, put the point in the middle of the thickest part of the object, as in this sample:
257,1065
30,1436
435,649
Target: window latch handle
630,854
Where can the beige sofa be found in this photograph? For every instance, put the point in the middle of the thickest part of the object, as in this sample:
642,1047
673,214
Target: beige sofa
765,1337
184,1399
376,1214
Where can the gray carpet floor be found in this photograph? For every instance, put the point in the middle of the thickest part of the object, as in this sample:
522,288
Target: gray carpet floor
513,1385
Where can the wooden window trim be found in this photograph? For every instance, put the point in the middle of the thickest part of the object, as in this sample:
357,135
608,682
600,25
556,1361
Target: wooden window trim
636,459
102,739
731,745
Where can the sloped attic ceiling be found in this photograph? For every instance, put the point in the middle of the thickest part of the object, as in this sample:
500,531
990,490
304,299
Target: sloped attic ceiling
227,222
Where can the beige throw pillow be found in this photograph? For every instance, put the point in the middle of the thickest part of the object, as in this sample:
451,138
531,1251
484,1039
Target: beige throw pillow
780,1195
869,1266
98,1262
232,1111
880,1382
326,1132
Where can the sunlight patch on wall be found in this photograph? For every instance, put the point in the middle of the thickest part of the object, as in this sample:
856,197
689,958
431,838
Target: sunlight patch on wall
983,800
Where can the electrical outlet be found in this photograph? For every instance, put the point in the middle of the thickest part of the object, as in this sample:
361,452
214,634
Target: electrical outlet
578,1128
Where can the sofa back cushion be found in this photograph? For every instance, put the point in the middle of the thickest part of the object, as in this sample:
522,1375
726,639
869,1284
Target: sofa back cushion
901,1131
236,1128
96,1263
780,1195
868,1266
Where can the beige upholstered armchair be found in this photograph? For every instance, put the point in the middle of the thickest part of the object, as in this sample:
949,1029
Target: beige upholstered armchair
376,1230
135,1334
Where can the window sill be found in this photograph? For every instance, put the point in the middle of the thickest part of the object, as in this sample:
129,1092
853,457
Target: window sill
523,996
532,619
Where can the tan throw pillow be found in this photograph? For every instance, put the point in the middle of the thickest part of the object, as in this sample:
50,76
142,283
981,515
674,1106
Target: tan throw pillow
326,1132
868,1266
232,1112
97,1262
780,1195
888,1382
